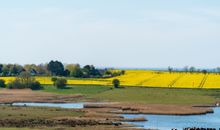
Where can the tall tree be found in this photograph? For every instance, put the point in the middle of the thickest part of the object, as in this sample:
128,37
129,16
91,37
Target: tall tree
5,70
192,69
170,69
42,69
186,69
1,66
56,68
75,70
90,71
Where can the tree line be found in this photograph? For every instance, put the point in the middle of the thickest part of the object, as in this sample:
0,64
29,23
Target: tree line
193,69
57,68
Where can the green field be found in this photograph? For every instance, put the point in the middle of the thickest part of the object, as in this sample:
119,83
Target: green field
142,95
106,93
8,112
77,89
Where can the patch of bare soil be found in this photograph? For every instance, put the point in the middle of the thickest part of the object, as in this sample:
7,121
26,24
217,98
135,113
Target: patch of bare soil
123,108
27,95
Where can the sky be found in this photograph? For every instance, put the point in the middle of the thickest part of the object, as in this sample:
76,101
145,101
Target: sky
111,33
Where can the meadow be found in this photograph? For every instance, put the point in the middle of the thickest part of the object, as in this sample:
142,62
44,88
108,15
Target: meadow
142,95
145,78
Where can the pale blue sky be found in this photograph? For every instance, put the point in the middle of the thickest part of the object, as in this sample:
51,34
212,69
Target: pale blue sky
116,33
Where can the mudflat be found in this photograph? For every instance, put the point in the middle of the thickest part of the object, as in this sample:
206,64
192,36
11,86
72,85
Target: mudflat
163,109
27,95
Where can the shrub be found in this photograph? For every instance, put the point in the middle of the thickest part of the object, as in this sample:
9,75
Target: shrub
24,80
16,84
35,85
60,83
2,83
116,83
53,79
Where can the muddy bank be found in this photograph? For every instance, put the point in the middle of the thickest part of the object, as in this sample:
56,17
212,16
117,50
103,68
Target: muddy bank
66,122
72,122
159,109
27,95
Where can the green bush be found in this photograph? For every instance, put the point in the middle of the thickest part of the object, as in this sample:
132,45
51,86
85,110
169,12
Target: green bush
35,85
24,80
2,83
16,84
116,83
60,83
53,79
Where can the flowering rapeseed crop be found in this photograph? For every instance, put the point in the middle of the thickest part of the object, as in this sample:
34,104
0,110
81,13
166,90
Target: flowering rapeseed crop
146,78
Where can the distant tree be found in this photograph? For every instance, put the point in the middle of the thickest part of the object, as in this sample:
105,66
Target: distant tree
24,80
218,70
60,83
86,71
56,68
2,83
116,83
90,71
54,79
123,72
170,69
192,69
31,68
42,69
204,71
35,85
15,84
77,73
1,66
15,69
186,69
107,72
66,73
75,70
5,70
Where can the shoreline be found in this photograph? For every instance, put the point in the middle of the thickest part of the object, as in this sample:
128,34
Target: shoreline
26,95
102,113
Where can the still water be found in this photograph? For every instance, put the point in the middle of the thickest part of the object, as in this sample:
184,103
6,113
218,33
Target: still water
61,105
161,122
167,122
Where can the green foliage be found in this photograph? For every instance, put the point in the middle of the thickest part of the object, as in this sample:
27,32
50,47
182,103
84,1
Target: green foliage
35,85
60,83
1,66
53,79
2,83
78,89
116,83
56,68
75,70
24,80
16,84
142,95
89,71
160,95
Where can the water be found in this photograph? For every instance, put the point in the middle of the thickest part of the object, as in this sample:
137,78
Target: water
161,122
61,105
167,122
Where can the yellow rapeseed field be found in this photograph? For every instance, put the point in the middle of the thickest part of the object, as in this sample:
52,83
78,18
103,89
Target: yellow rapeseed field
146,78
